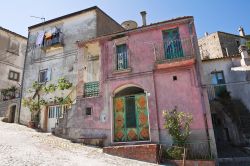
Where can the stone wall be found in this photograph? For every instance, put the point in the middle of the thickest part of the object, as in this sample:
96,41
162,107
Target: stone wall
192,162
5,108
106,25
220,44
146,152
210,46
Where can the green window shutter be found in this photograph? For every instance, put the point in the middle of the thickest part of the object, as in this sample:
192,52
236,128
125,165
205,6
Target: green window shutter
91,89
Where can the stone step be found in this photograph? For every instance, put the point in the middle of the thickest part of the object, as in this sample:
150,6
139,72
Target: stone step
242,161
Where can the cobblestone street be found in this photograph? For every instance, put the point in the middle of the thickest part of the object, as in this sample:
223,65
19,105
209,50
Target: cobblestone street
22,146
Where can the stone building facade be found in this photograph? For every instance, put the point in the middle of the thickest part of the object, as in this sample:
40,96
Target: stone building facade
126,80
52,54
220,53
12,55
219,45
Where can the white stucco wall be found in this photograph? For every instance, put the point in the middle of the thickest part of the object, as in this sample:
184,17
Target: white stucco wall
237,81
59,60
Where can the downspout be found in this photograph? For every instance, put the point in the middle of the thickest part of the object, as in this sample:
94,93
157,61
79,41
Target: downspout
157,106
204,99
21,95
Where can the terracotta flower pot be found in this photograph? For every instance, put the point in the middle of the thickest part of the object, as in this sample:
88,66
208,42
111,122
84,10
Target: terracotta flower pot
31,124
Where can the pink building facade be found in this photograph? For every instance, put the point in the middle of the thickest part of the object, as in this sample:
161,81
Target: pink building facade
126,80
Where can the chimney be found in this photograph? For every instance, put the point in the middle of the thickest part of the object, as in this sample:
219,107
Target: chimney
143,15
245,61
206,34
241,31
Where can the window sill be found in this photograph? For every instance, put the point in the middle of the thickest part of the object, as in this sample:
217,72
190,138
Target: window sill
90,97
128,70
52,46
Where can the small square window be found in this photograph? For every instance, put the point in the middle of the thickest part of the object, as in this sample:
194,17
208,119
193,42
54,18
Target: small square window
88,111
14,75
43,75
174,78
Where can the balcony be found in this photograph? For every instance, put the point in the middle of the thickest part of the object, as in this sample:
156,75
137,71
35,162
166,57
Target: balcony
174,51
55,41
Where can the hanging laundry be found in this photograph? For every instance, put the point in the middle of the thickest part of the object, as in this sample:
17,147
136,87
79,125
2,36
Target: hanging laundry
39,39
48,35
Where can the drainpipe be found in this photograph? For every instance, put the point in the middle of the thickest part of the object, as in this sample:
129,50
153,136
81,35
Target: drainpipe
204,100
21,95
157,107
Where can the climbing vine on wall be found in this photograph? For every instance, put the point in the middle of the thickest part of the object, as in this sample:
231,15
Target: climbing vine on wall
39,91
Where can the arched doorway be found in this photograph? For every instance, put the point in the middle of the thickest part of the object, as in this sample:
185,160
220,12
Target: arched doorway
131,115
12,114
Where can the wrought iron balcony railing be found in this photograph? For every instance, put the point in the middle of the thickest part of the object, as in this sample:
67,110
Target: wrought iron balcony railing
174,50
54,41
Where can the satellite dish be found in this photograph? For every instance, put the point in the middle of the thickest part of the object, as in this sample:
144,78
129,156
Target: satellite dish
130,24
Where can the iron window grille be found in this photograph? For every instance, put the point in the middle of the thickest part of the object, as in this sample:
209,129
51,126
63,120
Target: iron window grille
91,89
122,57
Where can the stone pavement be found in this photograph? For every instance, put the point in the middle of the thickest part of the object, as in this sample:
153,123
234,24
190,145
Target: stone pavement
22,146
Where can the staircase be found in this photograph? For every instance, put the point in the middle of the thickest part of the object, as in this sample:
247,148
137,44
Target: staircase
245,126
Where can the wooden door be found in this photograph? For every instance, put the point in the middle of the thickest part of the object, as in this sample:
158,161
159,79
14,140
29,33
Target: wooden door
131,118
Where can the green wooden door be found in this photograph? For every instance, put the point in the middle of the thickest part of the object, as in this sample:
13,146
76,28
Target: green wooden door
131,118
119,117
142,117
172,44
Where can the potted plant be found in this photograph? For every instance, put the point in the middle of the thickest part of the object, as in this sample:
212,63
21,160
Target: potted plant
12,92
178,126
4,93
34,108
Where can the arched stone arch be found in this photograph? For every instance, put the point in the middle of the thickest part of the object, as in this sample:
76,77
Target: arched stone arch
124,86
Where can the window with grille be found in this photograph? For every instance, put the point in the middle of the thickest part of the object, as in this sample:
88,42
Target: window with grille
91,89
122,57
55,111
217,79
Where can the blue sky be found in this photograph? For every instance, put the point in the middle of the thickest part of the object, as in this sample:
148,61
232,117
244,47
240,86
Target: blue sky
210,16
